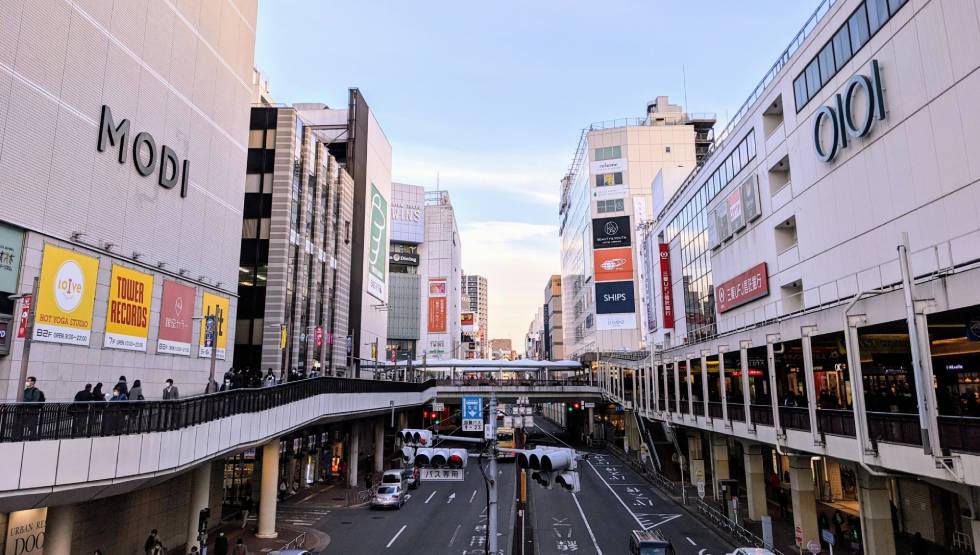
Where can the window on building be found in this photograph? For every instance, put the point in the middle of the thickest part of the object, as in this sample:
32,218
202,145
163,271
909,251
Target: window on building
667,149
799,90
877,15
842,47
894,5
608,179
827,65
812,78
857,27
611,205
608,153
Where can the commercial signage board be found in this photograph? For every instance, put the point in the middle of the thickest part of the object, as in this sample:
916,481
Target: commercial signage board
666,286
739,207
11,248
528,421
437,314
127,322
472,408
611,232
613,264
405,258
437,287
25,313
607,166
467,321
442,474
609,191
176,319
210,303
407,213
746,287
438,407
841,117
378,245
6,333
25,532
66,297
172,170
614,297
626,321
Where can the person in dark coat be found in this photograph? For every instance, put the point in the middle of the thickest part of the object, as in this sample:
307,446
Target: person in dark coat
31,393
122,387
136,393
85,395
221,544
97,394
170,392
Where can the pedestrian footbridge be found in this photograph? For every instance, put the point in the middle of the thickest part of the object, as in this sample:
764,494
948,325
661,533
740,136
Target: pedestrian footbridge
61,453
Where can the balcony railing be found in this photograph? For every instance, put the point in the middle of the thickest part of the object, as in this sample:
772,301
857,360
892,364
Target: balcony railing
715,409
684,408
835,422
698,408
795,418
736,412
960,433
761,414
46,421
894,427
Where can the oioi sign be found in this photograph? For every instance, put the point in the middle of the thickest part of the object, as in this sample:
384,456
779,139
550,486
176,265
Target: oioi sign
841,118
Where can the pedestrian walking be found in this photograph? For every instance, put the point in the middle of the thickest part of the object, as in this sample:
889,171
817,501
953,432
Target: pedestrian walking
246,509
122,386
85,395
31,392
170,391
97,394
136,393
221,544
158,549
240,548
270,379
151,541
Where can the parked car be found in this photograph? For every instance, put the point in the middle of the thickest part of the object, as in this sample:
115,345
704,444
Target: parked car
649,542
396,476
388,495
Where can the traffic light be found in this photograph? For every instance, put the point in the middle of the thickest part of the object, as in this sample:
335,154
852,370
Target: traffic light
411,436
550,465
569,480
408,455
457,458
423,456
439,457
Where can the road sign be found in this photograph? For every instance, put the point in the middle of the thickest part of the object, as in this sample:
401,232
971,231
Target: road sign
813,546
438,407
588,405
442,474
472,414
827,536
528,421
701,489
508,422
767,532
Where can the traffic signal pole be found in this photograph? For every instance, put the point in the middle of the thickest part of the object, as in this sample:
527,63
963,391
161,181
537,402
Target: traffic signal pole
492,482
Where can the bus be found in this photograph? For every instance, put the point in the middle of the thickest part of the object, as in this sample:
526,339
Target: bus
505,438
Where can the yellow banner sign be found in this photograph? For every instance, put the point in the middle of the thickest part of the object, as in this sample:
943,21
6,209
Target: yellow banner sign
66,297
127,320
217,307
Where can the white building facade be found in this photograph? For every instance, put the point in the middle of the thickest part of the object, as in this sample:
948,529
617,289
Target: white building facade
812,282
441,271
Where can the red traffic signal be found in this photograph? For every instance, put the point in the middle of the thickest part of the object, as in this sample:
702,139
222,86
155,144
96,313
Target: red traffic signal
577,406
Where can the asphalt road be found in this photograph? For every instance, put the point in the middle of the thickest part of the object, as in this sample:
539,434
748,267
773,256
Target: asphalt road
613,501
439,517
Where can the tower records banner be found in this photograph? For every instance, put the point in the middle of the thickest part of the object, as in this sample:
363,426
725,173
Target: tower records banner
176,319
209,306
66,297
127,320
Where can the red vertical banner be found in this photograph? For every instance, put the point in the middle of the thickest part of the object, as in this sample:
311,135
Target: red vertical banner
25,314
666,287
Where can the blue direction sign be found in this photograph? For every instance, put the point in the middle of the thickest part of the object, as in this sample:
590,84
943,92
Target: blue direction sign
472,414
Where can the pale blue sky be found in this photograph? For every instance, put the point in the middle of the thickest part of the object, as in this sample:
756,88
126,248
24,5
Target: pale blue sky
493,95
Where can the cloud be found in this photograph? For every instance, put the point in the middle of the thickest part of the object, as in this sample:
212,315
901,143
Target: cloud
518,259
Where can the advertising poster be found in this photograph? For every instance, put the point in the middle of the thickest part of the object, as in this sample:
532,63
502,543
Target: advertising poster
437,287
666,286
611,232
746,287
467,321
613,264
66,297
378,245
11,243
437,314
25,532
127,320
176,319
605,322
210,303
614,297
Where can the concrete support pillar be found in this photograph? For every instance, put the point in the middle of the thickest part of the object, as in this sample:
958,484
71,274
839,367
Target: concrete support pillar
304,470
268,490
695,455
755,481
200,495
379,445
719,462
975,529
58,529
291,471
590,424
876,515
353,448
804,499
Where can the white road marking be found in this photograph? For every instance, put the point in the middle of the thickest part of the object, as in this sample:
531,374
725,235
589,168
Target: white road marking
451,497
453,539
400,530
433,494
408,496
472,496
587,527
618,498
690,541
307,498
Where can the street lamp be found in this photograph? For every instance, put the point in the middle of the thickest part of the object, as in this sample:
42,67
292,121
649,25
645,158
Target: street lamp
28,336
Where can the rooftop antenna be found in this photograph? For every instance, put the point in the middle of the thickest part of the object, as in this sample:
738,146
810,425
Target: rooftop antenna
684,84
437,180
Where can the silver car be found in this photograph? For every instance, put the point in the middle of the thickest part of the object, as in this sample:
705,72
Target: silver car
388,495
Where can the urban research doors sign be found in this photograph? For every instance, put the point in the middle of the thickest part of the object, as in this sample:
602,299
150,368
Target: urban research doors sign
176,317
127,322
66,297
210,303
378,245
